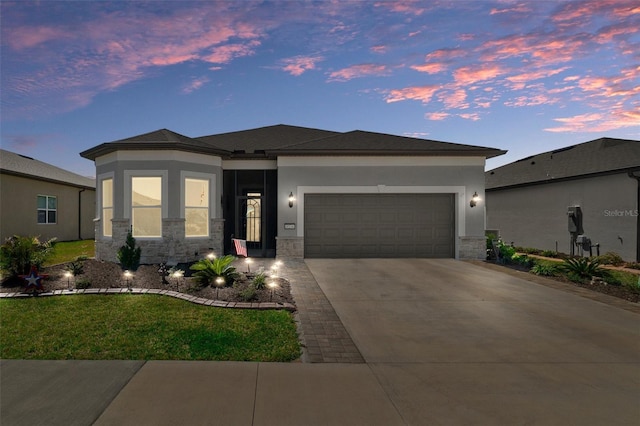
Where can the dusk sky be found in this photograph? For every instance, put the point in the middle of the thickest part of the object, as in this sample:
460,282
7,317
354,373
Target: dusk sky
525,76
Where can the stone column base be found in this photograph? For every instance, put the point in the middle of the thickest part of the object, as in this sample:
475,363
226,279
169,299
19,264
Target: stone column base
290,247
472,248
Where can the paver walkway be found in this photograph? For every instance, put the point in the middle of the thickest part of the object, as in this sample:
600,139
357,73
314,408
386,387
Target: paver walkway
324,337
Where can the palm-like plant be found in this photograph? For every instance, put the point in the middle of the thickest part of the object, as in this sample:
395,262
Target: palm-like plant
209,270
581,268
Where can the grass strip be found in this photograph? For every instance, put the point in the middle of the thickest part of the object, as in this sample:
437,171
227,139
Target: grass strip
142,327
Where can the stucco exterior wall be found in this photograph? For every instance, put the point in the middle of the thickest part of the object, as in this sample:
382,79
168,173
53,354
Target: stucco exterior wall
19,209
536,216
173,247
461,176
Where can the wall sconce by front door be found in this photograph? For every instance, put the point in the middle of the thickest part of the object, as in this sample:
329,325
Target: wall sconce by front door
474,199
291,199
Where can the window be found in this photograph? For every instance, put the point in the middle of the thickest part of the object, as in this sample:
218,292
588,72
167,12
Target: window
146,206
107,207
47,209
196,207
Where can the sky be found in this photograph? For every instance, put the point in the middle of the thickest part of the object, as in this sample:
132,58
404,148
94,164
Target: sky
523,76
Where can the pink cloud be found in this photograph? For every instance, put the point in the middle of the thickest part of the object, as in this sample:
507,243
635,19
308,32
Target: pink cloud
300,64
520,8
437,116
456,98
598,122
445,54
379,49
410,7
357,71
421,93
432,68
195,84
520,80
527,101
473,116
225,54
27,37
473,74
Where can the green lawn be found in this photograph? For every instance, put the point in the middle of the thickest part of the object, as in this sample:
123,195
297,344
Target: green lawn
141,327
68,251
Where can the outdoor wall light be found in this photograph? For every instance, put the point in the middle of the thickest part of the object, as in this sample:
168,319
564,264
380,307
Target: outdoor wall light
291,199
474,199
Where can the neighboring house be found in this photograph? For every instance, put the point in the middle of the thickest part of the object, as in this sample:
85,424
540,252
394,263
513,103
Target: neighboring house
38,199
291,191
528,201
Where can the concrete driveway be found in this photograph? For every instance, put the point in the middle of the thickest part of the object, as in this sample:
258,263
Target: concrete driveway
454,343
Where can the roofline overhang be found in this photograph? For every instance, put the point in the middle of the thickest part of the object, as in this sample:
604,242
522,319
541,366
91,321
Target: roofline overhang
563,179
109,147
486,153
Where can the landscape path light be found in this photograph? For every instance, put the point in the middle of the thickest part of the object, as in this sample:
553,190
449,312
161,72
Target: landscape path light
177,276
248,262
211,256
128,278
68,274
272,285
219,283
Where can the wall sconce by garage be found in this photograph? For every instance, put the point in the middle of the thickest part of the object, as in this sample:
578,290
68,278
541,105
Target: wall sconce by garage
474,199
291,199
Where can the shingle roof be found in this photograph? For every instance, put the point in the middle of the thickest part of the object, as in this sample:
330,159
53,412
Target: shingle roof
370,143
604,155
283,139
265,138
162,139
21,165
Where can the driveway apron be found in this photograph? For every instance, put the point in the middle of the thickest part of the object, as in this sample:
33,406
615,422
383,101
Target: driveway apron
454,343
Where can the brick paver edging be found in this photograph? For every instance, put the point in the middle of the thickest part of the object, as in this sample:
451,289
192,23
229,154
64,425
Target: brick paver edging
193,299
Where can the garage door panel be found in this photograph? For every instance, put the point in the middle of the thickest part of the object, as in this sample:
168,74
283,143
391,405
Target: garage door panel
379,225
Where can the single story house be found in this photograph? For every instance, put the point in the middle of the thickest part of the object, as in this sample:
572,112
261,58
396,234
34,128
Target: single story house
529,201
292,192
38,199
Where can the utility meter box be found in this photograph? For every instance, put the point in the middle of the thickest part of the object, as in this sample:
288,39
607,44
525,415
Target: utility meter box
584,241
574,214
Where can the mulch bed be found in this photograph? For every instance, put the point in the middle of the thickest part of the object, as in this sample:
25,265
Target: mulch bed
110,275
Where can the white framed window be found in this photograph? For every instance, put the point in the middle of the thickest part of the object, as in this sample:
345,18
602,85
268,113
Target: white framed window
146,206
47,209
196,207
107,206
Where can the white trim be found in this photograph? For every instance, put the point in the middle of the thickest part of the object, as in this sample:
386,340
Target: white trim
249,164
211,178
459,191
159,155
326,161
128,174
102,177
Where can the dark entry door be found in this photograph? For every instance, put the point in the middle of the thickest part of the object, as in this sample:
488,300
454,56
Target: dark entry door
250,223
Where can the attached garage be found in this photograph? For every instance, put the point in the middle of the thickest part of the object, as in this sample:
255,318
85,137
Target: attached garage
379,225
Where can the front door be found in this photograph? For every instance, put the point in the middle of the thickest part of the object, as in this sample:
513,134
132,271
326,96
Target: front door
250,224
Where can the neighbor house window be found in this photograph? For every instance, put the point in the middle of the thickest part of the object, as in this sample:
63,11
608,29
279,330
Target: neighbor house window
146,206
107,207
196,207
47,209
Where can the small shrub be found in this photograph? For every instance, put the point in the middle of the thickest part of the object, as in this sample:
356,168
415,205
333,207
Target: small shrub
83,283
18,254
544,270
259,281
522,259
209,270
490,238
581,268
506,252
129,254
610,258
549,253
76,267
248,294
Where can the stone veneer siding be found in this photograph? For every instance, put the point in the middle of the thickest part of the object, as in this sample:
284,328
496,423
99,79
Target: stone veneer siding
473,248
172,248
290,247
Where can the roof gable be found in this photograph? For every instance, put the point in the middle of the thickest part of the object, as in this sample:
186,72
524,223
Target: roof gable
21,165
604,155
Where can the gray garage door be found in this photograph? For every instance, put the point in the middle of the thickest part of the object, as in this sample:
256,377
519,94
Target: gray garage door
379,225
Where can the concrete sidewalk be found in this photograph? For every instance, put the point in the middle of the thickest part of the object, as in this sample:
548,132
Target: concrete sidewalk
192,393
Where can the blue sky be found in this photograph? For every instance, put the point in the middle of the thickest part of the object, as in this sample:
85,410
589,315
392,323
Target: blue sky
526,76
